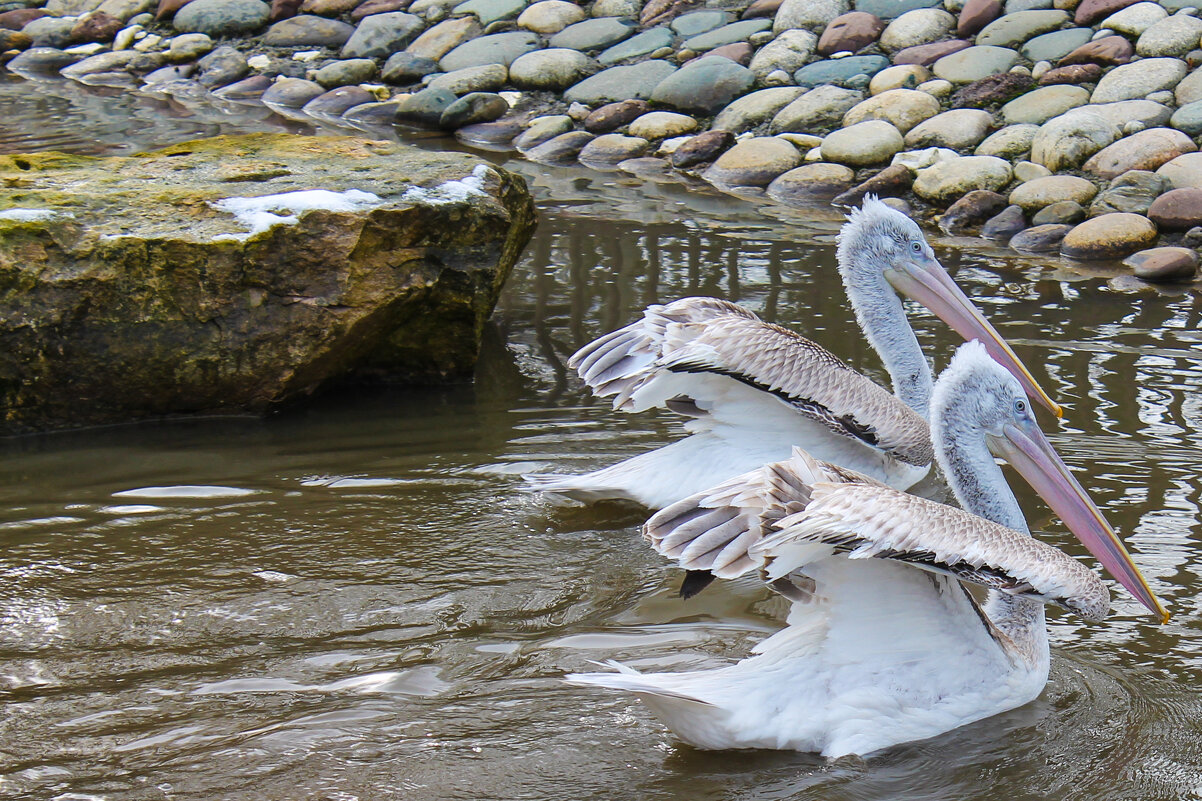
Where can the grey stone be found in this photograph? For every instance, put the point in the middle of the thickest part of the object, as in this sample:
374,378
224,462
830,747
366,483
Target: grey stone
636,81
890,9
817,111
554,68
839,71
811,15
377,113
1063,212
1189,90
1146,112
1139,79
636,46
484,78
560,149
1066,141
959,129
490,11
1013,30
1042,238
308,31
1188,118
1174,36
1043,104
696,22
727,34
425,108
1008,222
751,110
863,144
946,181
291,92
1055,46
789,52
704,86
1131,193
381,35
609,149
974,63
335,102
344,73
473,108
221,18
918,27
497,48
49,32
405,68
221,67
593,34
41,61
542,129
1134,19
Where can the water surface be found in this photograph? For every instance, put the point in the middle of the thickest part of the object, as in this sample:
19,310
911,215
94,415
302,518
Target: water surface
356,600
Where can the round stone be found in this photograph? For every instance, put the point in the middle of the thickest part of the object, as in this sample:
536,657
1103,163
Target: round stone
1105,52
1043,104
661,125
291,93
1066,141
497,48
840,71
381,35
958,129
1188,118
542,129
1174,36
405,68
1145,150
1009,143
811,183
702,148
1164,264
424,108
637,81
753,109
1008,222
904,108
1028,171
1132,192
473,108
1190,88
863,144
1111,236
789,52
485,78
1044,238
703,86
613,116
946,181
1064,212
490,11
918,27
973,208
728,34
698,22
812,15
902,76
344,73
550,16
754,162
1013,30
975,15
1056,45
1177,210
560,149
593,34
221,18
975,63
1034,195
849,33
336,102
1140,79
1090,11
928,54
815,111
308,31
1135,19
647,42
554,69
1074,74
609,149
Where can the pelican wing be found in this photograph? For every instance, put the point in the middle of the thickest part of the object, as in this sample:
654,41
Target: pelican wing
867,522
714,530
670,357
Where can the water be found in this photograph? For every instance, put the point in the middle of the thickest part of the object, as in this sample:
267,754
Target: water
356,600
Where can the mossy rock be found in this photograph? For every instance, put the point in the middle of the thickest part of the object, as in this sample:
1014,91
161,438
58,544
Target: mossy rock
126,292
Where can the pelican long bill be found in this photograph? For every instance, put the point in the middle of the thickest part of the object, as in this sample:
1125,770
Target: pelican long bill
1029,452
929,284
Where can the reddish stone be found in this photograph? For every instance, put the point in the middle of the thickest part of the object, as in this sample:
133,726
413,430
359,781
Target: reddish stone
96,27
1164,264
1107,51
851,31
284,9
1090,11
762,8
928,54
657,12
18,18
702,148
378,7
1178,209
892,181
613,116
1076,73
975,15
167,8
738,52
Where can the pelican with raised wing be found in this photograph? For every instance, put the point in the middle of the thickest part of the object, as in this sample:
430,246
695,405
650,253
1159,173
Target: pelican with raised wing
754,390
884,643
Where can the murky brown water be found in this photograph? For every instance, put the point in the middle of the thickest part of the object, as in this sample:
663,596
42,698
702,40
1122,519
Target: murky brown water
356,600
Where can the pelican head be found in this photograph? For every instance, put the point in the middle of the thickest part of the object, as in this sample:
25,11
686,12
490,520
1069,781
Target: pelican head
977,397
880,242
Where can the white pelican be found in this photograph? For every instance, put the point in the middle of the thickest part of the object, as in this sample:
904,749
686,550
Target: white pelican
884,644
754,390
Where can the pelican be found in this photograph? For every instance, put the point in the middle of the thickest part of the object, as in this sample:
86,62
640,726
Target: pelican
753,390
884,644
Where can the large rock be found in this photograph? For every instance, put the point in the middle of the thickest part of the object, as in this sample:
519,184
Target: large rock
220,18
703,86
1014,29
635,82
959,129
381,35
816,111
1139,79
904,108
1040,192
863,144
1185,170
1178,210
148,296
750,110
754,162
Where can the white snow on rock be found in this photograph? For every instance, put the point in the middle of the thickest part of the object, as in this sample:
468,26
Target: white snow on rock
28,215
260,213
459,191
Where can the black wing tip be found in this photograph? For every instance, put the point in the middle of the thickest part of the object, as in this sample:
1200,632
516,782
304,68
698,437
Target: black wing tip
694,582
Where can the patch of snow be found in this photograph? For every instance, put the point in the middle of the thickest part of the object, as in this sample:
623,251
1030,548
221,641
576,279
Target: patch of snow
459,191
260,213
28,215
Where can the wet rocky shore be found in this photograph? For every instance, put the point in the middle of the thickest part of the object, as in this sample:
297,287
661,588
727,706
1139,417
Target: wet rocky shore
1059,126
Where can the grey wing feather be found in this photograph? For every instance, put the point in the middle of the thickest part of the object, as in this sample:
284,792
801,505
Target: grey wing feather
877,522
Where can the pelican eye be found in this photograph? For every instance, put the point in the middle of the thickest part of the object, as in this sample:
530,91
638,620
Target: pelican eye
916,247
1020,406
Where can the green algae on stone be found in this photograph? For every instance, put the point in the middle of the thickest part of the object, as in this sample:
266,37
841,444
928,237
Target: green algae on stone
126,292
